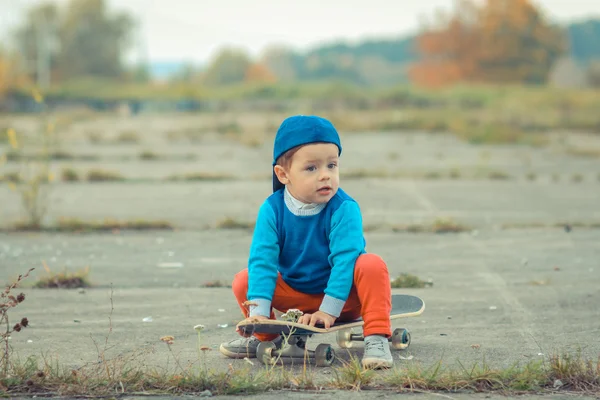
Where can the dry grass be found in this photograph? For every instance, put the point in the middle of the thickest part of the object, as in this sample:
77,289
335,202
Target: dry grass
201,176
128,373
560,225
148,155
216,284
561,372
64,279
232,223
589,153
498,176
128,137
576,178
440,225
405,280
109,224
97,175
351,375
69,175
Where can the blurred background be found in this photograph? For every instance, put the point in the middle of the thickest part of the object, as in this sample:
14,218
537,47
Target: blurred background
142,92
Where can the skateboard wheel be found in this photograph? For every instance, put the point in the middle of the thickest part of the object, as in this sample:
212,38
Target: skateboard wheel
264,352
400,339
324,355
344,338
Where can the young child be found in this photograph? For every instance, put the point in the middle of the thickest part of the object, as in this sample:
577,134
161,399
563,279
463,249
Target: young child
308,250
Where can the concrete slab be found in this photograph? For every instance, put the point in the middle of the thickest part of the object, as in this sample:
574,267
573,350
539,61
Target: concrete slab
503,295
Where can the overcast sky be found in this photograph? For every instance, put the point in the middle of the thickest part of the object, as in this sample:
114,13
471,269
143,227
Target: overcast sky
176,30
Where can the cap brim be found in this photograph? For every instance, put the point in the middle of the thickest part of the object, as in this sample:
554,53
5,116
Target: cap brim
276,184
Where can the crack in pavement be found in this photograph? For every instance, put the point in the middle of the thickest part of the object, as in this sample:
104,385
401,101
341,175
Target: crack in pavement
519,314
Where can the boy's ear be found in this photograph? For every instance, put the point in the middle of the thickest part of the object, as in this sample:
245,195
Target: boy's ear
281,174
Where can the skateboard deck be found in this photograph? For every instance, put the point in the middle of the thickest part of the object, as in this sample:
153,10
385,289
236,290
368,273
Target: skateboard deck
403,306
295,334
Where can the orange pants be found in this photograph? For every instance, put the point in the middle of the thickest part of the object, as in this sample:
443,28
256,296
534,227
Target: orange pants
370,297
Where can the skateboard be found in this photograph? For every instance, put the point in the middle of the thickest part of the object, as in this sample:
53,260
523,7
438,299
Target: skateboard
296,335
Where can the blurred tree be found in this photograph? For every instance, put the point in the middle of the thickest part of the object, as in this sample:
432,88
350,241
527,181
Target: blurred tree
188,73
593,74
497,41
517,44
229,66
38,42
5,75
11,76
258,72
92,41
140,73
281,62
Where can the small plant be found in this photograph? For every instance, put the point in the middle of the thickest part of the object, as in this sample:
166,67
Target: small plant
96,175
577,178
406,280
95,137
230,223
64,279
351,375
498,176
363,174
440,225
201,176
69,175
8,301
148,155
432,175
128,137
33,180
292,315
446,225
231,127
74,224
215,284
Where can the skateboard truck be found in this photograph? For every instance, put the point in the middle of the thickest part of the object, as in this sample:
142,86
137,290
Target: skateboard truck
399,340
294,349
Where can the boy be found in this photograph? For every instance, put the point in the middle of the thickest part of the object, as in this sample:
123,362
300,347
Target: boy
308,250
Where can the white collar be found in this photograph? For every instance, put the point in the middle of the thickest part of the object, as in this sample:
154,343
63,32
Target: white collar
300,208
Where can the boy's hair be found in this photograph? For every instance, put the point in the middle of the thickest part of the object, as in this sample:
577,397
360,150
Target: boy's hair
285,160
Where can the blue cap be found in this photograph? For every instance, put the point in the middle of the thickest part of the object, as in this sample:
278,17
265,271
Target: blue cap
298,130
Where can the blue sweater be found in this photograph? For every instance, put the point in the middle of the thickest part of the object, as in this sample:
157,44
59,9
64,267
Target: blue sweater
314,253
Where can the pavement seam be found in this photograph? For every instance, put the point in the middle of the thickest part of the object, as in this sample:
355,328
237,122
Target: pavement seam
519,314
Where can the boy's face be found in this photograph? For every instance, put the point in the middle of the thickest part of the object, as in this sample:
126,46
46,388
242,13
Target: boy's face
313,175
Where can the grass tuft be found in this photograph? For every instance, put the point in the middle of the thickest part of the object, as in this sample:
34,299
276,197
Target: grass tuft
97,175
440,225
201,176
64,280
231,223
351,375
406,280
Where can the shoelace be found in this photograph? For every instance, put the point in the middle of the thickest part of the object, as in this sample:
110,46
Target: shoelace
376,344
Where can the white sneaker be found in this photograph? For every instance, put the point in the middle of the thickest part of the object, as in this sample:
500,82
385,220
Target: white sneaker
377,353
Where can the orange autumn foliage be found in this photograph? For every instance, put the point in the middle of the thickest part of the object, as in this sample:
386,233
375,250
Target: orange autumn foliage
259,73
496,41
10,75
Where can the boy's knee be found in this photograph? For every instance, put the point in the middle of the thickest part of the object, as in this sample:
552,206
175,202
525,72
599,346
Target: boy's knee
240,282
370,261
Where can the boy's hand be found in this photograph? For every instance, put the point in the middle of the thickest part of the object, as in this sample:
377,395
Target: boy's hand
249,319
319,316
